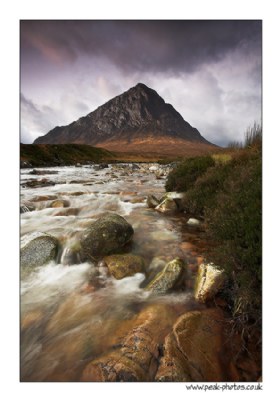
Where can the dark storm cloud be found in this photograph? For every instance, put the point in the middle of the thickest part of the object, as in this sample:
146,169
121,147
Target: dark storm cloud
173,46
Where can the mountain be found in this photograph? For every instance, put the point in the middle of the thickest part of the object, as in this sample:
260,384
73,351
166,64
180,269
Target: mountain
138,120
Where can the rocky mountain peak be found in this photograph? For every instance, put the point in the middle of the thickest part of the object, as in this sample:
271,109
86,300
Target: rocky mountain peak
138,113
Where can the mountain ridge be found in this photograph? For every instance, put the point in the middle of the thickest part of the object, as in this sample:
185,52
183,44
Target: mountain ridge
132,116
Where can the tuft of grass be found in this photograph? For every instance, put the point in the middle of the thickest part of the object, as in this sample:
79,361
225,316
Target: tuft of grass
253,136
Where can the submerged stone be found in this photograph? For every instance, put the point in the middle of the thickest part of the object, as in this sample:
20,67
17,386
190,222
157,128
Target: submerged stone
167,278
37,248
122,265
106,235
209,281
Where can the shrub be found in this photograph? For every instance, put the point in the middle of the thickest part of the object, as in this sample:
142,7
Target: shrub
235,222
227,192
182,177
203,193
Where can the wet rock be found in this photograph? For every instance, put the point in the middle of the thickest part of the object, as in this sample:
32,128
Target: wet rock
34,183
122,265
196,350
179,199
152,201
167,279
68,212
70,256
26,206
135,167
136,357
42,172
43,198
105,236
209,281
160,174
37,249
193,222
103,166
166,206
59,204
137,200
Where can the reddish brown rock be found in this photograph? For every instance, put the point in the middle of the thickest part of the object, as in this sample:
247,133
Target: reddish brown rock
196,350
136,356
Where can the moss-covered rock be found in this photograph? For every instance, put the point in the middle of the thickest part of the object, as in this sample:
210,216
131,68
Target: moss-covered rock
105,236
122,265
209,281
196,350
167,278
37,248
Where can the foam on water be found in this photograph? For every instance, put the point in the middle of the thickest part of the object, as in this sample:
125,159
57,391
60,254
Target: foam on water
52,280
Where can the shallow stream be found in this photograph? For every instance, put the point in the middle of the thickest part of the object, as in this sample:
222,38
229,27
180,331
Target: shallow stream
64,323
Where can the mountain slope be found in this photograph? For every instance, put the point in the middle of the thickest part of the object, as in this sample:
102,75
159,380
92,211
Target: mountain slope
138,117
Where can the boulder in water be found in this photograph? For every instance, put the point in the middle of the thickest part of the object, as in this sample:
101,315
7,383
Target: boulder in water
105,236
59,203
123,265
152,201
209,281
38,183
37,248
167,278
196,350
166,206
136,357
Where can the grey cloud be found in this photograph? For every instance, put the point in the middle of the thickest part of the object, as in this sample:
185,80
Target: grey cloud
167,45
35,120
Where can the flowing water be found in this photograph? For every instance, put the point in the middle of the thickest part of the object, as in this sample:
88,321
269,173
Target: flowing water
64,322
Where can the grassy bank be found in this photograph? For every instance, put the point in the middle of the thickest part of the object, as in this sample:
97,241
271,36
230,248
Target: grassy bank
46,155
226,191
40,155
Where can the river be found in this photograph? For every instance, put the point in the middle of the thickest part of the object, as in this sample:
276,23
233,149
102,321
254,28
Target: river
64,323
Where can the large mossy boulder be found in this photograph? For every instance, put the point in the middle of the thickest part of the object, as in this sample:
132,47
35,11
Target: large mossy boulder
122,265
210,279
105,236
167,278
197,350
37,248
136,354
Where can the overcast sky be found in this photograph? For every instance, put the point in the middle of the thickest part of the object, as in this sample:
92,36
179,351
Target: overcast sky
210,71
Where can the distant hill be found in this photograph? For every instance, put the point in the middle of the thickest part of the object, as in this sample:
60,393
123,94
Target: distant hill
138,121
